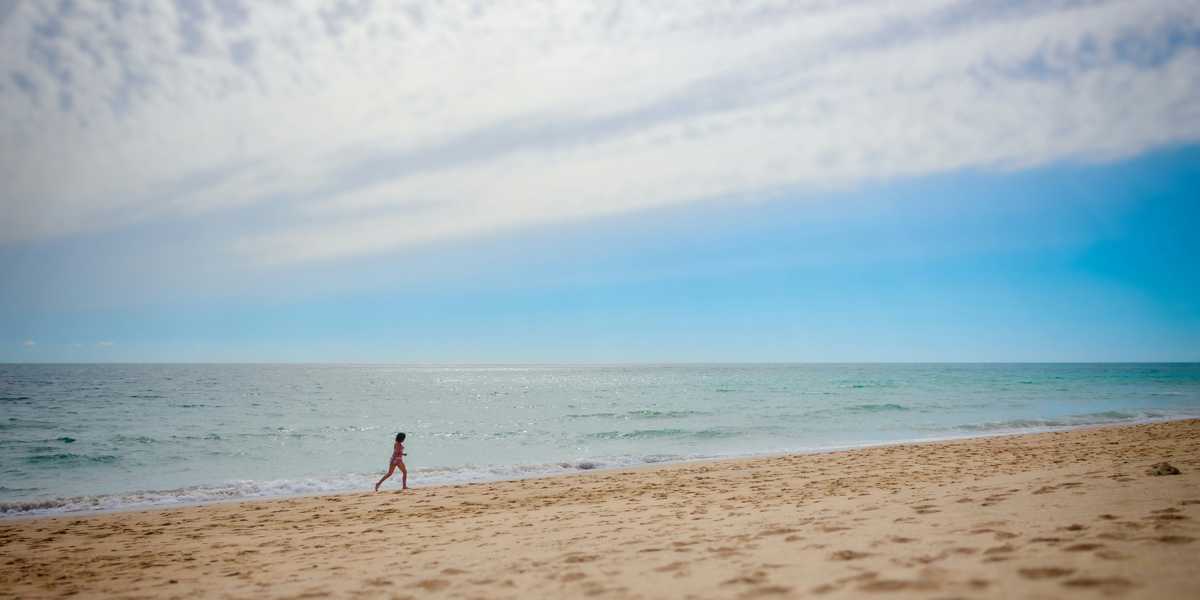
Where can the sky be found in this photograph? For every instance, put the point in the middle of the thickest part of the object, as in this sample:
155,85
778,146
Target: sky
761,181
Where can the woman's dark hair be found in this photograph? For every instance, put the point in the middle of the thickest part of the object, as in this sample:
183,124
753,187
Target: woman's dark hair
399,437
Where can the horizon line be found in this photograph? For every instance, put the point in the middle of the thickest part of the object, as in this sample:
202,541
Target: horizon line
597,363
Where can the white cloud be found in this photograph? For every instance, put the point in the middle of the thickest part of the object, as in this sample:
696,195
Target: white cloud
383,125
29,343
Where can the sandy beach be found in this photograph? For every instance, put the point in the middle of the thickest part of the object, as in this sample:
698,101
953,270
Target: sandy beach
1050,515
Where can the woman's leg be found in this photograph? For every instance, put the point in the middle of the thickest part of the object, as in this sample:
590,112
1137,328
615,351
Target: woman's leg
391,469
403,477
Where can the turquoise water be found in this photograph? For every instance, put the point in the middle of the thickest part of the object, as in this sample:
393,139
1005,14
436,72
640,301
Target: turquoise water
100,437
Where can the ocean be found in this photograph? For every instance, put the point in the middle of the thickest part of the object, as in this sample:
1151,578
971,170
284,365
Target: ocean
111,437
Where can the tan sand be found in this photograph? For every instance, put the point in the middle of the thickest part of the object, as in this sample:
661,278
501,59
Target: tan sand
1055,515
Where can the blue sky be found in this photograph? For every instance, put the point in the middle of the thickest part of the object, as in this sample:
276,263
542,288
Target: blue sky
940,181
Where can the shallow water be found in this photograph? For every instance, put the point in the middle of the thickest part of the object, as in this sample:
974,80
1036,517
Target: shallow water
97,437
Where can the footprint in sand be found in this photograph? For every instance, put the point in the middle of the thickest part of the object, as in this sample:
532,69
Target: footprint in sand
999,535
1103,584
776,531
769,590
1175,539
1045,572
675,566
754,578
848,555
433,585
1166,518
897,585
580,558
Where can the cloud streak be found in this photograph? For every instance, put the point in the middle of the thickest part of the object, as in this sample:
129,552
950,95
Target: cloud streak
371,127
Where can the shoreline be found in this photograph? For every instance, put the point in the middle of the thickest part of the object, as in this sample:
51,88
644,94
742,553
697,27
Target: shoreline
158,506
1042,514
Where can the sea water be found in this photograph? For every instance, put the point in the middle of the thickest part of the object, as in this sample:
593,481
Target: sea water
105,437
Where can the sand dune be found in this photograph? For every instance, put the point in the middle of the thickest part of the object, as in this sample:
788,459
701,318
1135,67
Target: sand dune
1069,514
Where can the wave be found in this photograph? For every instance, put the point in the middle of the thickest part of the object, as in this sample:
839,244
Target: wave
69,459
875,408
270,433
133,439
599,415
841,411
666,414
64,440
14,423
641,414
639,434
644,434
864,385
1080,420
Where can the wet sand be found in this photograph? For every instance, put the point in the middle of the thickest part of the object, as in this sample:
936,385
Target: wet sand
1052,515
